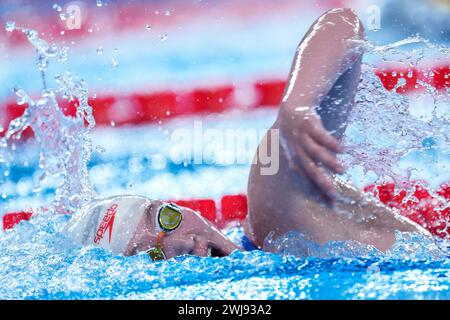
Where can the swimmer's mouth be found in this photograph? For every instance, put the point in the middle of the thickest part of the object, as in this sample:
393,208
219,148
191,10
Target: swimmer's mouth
214,252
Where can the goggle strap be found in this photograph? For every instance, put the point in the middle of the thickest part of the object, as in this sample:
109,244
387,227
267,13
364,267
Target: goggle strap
160,238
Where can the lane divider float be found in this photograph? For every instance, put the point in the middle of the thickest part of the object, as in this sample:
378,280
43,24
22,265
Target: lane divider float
232,209
142,108
431,212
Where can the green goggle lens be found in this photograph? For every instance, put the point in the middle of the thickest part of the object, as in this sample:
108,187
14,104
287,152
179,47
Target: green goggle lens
156,254
169,217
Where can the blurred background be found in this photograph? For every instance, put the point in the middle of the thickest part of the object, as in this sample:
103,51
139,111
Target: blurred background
139,46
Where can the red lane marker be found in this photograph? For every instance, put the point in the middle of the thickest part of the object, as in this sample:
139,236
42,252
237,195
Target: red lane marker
390,78
101,108
150,107
155,106
207,207
13,110
11,219
421,207
213,100
269,93
233,207
441,77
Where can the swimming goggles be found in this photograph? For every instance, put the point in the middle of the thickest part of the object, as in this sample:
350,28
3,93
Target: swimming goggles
169,218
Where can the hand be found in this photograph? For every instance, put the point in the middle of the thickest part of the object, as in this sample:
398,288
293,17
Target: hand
309,147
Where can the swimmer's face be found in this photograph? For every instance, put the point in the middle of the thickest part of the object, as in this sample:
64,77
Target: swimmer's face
195,235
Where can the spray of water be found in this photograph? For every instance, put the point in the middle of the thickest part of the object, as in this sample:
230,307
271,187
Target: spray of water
383,129
64,141
385,126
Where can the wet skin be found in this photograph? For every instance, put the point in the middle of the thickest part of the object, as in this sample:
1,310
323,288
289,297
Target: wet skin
303,195
195,235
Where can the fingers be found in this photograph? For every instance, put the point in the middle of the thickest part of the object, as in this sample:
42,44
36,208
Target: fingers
321,154
315,174
323,137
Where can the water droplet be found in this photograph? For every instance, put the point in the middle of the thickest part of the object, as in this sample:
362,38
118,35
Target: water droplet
57,7
135,165
167,13
114,63
113,123
10,26
373,268
163,36
148,27
99,3
52,51
99,50
62,32
100,149
90,30
63,16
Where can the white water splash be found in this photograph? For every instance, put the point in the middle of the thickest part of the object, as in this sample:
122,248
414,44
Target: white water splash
64,141
384,126
408,246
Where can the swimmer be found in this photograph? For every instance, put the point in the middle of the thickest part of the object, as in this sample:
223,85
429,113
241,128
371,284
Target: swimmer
302,196
128,224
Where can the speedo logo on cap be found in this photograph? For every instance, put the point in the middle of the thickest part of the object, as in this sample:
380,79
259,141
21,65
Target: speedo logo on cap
107,223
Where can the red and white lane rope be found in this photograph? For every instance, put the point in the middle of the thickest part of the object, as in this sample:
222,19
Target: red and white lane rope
230,209
421,207
141,108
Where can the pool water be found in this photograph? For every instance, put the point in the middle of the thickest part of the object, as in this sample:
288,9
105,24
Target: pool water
37,262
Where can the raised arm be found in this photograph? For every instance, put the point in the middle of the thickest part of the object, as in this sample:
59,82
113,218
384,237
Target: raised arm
328,60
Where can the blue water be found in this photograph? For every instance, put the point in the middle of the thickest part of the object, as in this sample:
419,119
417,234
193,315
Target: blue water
44,264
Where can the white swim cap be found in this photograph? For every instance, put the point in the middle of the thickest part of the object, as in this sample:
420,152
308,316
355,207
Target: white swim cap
110,223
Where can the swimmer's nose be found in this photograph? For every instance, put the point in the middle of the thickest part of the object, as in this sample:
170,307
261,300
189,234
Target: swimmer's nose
201,246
